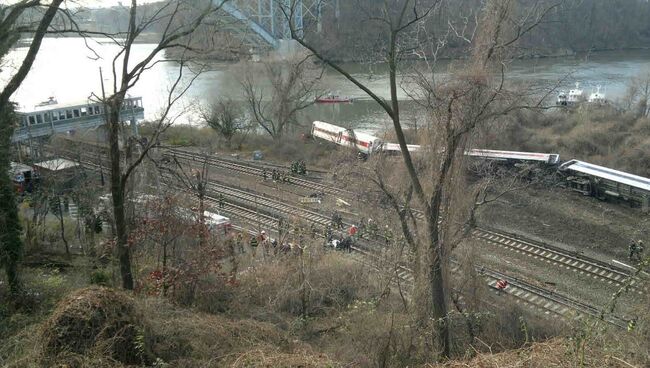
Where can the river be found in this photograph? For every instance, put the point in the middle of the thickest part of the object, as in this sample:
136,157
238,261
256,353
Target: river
67,69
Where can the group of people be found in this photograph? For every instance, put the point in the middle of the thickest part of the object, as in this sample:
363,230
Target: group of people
276,176
269,245
299,167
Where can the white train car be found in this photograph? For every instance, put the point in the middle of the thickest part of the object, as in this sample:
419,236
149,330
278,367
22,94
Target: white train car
603,182
394,148
514,156
363,142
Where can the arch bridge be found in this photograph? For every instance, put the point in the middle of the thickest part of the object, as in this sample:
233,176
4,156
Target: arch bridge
266,21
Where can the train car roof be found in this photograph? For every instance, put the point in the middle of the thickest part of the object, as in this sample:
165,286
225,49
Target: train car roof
215,218
363,136
56,164
514,155
17,167
607,173
332,127
395,147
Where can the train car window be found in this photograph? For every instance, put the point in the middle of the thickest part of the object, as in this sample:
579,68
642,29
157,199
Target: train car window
97,110
55,116
76,113
90,110
23,121
61,115
39,119
68,114
83,111
46,116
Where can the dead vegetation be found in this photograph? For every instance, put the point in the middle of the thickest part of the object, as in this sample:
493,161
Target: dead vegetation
600,135
93,321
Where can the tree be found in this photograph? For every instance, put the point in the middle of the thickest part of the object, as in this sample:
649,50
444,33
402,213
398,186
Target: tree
225,118
179,19
292,90
637,96
455,109
11,29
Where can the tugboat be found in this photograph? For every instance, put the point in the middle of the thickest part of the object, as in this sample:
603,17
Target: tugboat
574,97
333,98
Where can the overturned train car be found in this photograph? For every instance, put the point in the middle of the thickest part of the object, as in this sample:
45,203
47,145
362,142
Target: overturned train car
605,183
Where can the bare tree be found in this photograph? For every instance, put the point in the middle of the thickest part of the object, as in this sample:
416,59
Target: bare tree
292,90
455,109
11,29
637,96
226,119
179,19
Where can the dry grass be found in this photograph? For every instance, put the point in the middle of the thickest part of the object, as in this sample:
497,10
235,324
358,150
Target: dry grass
92,321
602,136
555,353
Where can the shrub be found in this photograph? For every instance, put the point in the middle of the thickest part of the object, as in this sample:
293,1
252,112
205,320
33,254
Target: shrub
100,277
93,321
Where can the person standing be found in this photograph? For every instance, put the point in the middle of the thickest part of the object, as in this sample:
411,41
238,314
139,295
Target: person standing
239,240
254,243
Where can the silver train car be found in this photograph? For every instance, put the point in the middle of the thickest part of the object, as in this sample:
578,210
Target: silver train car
602,182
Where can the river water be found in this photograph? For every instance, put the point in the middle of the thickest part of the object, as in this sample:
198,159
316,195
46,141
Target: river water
67,69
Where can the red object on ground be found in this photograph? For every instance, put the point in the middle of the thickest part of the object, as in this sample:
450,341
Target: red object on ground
502,284
353,230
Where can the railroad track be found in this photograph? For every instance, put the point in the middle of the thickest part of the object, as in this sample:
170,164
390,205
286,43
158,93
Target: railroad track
545,301
248,169
598,270
550,302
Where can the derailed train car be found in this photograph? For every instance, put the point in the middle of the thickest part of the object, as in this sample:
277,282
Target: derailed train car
604,183
365,143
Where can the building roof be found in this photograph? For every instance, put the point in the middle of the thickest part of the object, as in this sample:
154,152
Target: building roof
18,168
57,164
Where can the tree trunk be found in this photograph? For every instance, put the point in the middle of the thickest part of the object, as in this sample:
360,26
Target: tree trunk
10,243
10,229
431,298
62,226
118,193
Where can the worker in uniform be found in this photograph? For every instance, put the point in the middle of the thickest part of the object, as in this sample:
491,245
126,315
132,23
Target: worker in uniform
312,230
254,243
239,240
328,233
639,250
372,227
352,231
636,250
221,200
388,235
631,325
280,225
264,240
264,174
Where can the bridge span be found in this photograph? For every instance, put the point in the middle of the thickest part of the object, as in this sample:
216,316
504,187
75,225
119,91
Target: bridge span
52,118
266,19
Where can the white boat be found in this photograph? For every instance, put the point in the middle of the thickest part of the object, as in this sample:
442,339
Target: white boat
575,95
597,97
